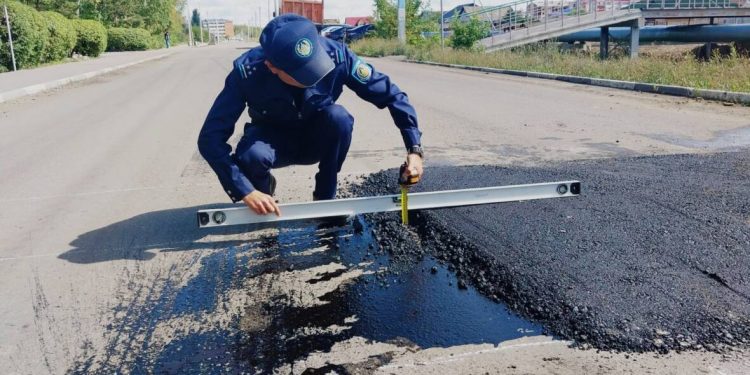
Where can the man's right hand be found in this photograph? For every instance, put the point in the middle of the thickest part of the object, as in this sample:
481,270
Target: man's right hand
261,203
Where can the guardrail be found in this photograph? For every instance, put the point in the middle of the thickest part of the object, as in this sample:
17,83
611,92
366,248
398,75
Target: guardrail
524,18
685,4
519,21
523,14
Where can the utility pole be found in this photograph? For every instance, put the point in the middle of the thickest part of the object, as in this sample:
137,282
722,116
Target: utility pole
442,25
191,42
200,24
10,36
189,23
402,21
190,28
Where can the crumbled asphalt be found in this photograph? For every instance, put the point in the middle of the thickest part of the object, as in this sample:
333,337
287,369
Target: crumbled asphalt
653,256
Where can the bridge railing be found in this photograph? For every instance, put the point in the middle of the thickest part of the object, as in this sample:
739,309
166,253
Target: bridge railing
524,17
685,4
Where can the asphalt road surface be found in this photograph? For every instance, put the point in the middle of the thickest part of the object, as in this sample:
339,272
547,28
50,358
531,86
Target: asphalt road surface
653,256
102,268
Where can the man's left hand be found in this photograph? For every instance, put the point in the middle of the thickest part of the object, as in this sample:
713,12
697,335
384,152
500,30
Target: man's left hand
414,165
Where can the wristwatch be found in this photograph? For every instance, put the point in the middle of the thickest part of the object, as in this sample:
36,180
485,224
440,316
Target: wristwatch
416,149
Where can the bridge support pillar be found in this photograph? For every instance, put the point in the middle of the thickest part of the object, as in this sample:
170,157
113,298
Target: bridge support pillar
604,43
635,33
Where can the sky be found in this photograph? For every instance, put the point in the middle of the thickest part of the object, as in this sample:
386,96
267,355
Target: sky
240,11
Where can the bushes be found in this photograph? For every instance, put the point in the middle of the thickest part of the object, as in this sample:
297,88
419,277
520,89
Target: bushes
128,39
62,36
467,33
155,41
92,37
43,37
30,36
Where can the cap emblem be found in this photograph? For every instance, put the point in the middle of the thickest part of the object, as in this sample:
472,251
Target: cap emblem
303,48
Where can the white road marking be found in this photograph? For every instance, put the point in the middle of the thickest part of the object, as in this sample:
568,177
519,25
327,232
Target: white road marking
112,191
156,246
29,257
463,356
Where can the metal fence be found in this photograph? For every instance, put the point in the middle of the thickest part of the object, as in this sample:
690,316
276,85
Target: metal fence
521,18
527,17
685,4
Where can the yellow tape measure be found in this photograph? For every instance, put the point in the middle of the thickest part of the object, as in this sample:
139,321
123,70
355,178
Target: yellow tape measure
405,181
404,205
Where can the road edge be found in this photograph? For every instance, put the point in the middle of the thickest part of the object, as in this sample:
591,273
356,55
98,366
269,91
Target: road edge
41,87
689,92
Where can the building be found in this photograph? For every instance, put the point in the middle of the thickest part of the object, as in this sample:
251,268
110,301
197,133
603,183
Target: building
219,28
492,14
358,21
458,11
228,29
311,9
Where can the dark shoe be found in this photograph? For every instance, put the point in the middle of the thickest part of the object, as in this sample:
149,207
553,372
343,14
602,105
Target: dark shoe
272,186
316,198
331,222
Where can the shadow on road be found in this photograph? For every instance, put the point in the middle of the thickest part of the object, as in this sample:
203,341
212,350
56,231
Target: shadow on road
166,230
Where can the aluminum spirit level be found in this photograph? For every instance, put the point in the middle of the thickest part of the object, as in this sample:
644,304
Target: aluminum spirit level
417,201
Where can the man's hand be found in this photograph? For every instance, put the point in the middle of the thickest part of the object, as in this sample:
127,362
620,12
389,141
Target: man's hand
414,165
261,203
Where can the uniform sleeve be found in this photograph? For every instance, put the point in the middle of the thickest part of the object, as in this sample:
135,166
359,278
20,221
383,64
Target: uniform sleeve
216,131
377,88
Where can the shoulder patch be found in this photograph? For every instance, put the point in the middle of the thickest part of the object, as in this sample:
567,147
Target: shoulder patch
249,61
340,56
362,71
240,66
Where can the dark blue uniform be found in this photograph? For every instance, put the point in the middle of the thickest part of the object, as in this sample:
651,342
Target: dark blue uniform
292,125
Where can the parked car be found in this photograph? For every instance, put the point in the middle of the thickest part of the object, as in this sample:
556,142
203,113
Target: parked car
335,32
358,32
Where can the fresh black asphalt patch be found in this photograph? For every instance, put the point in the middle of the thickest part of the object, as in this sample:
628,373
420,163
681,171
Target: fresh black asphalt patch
401,300
653,256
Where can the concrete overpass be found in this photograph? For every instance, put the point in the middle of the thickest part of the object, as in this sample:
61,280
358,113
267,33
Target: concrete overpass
529,21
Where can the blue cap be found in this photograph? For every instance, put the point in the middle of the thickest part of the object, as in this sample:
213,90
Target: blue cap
292,44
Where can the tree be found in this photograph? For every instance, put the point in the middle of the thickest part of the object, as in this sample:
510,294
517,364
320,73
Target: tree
466,34
386,20
156,16
195,20
67,8
88,10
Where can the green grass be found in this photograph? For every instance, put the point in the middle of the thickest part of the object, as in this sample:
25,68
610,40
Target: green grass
376,47
730,73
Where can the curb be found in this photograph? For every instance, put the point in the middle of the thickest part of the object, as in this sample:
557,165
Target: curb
690,92
40,87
